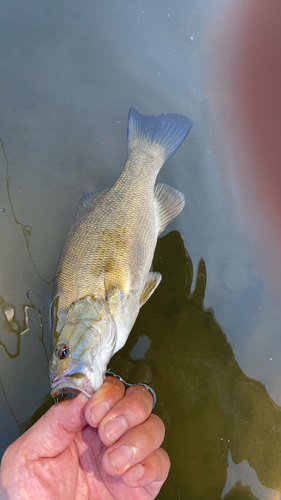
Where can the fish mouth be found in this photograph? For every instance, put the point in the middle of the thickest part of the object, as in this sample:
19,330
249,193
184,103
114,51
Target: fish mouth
72,384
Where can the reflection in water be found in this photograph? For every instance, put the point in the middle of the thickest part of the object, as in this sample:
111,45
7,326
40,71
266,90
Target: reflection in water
26,228
242,474
209,406
10,339
215,416
240,492
12,331
8,404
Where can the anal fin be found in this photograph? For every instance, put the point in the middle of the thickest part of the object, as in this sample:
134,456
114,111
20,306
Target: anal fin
170,203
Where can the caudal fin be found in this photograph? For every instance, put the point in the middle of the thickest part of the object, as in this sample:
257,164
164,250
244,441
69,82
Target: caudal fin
167,131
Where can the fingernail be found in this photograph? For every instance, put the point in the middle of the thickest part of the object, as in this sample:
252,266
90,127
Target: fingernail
115,428
99,411
136,472
120,456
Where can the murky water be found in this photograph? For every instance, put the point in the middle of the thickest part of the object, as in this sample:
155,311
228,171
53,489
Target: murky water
208,340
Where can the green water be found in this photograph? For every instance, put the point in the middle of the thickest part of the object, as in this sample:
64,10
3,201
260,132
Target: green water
209,406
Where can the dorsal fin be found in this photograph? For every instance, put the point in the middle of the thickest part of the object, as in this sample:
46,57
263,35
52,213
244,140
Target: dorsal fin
151,283
170,203
85,200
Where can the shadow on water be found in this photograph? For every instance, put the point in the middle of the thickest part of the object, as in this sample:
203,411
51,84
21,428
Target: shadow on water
210,407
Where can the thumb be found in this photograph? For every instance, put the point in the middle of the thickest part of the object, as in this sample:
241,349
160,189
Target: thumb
54,431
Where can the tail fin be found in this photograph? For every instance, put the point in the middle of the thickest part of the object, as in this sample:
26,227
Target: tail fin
167,131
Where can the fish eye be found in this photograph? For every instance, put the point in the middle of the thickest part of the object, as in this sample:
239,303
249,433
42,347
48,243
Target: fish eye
63,351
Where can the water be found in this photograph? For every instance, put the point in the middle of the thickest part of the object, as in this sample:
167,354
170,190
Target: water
208,339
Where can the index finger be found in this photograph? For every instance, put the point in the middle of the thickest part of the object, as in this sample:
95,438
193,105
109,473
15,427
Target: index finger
111,391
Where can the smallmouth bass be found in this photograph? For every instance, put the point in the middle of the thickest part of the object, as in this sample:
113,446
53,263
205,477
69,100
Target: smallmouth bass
103,275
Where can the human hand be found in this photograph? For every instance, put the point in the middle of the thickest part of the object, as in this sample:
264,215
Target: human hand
103,448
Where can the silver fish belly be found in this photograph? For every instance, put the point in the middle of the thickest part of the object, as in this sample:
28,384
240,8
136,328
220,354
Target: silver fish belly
103,275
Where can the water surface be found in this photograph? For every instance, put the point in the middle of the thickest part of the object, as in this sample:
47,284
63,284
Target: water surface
208,339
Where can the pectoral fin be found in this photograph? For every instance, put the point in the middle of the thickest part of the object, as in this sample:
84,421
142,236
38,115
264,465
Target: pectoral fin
170,203
115,298
151,283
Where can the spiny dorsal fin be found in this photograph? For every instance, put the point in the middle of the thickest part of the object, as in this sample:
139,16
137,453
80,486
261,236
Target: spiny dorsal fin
85,200
167,131
151,283
170,203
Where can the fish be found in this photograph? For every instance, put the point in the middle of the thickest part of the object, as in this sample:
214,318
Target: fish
104,273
